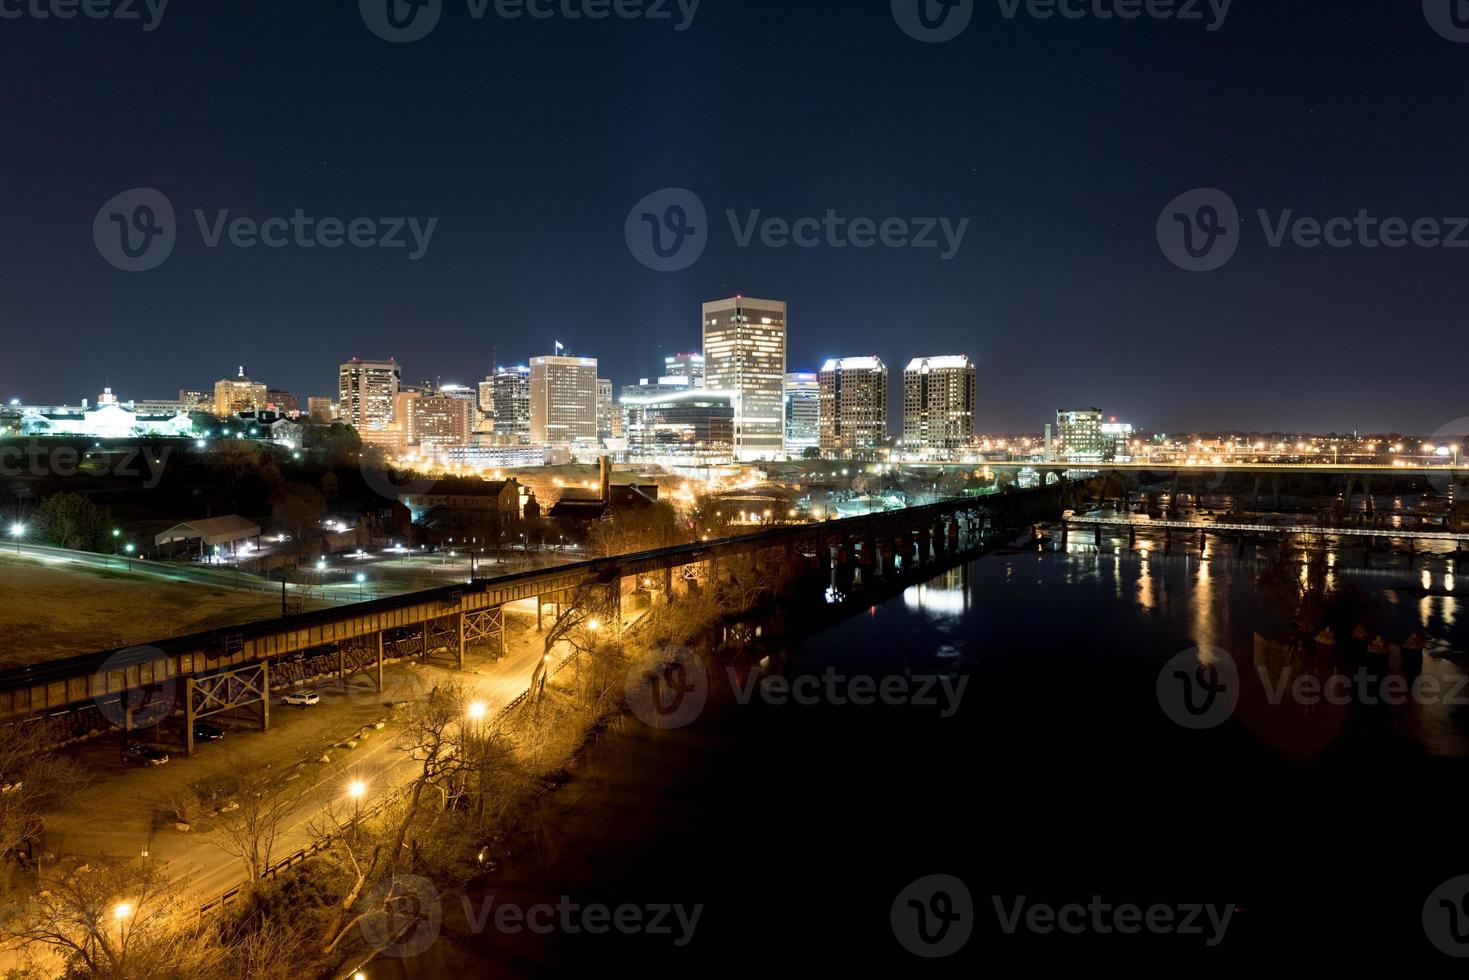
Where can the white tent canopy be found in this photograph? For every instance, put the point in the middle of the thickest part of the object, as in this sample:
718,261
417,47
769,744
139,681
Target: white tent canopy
210,531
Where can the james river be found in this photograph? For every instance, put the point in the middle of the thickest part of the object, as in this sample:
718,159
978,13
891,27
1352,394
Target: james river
1039,766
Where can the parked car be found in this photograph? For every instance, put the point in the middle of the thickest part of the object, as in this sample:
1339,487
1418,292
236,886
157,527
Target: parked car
301,699
205,732
146,755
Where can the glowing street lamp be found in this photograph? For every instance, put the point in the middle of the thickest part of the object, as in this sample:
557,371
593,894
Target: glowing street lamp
17,531
122,911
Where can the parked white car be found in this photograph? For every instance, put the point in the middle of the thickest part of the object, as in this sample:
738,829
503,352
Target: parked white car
301,699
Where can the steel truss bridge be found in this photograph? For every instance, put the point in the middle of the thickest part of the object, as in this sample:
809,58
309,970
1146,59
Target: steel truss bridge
238,668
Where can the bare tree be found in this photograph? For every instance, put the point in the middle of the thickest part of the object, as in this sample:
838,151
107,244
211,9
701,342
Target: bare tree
117,919
251,824
33,780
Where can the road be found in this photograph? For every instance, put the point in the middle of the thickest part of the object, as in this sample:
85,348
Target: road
119,813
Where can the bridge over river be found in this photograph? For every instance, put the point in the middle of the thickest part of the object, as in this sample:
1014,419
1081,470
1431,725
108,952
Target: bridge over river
238,667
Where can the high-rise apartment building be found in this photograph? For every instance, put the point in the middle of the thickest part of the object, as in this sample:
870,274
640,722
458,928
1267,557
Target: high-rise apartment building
365,392
803,413
854,405
745,354
938,405
439,421
563,400
282,402
238,394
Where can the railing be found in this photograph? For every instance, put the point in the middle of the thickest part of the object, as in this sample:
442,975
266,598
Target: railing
1273,528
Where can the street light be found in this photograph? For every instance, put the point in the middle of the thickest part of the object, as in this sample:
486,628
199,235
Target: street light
478,710
360,579
356,790
17,531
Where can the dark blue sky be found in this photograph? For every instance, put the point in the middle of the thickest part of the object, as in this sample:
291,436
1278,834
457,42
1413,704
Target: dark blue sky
530,142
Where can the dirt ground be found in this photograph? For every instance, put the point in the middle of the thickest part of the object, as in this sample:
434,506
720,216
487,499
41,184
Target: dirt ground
51,610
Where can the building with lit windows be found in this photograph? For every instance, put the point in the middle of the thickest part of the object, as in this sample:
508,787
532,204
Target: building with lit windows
563,401
691,425
853,406
508,404
238,394
1079,436
745,354
803,413
689,367
365,393
938,406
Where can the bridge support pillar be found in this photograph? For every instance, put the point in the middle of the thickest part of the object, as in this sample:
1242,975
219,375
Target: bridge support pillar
1412,551
1203,541
1097,535
1065,534
1239,544
1168,541
459,643
1132,537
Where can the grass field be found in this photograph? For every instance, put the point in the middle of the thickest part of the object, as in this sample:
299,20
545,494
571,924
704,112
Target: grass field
52,610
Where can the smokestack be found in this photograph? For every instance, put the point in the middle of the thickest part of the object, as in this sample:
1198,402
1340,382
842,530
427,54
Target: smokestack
606,463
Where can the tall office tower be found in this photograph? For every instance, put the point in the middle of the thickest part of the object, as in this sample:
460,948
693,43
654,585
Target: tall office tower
238,394
510,405
803,413
563,400
1079,432
365,392
854,405
938,405
609,425
690,367
320,409
745,353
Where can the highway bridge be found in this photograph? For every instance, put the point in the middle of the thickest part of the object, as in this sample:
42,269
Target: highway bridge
237,668
1240,531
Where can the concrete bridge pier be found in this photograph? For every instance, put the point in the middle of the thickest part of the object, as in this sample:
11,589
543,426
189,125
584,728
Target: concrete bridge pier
1132,537
1168,541
925,553
1258,481
1097,536
1203,541
1065,534
1239,545
1412,551
953,535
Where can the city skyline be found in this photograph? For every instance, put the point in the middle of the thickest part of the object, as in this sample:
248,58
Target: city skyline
1059,292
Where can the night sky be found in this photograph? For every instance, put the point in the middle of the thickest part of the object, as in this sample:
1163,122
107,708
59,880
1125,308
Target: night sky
530,141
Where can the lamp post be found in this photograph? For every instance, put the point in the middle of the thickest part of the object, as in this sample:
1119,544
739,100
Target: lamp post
356,790
360,579
17,531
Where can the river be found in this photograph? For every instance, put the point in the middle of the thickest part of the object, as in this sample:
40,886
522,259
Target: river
1056,773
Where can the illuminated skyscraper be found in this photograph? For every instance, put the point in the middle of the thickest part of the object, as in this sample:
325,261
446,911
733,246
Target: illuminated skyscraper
365,392
803,413
745,353
238,394
509,404
563,400
938,405
854,405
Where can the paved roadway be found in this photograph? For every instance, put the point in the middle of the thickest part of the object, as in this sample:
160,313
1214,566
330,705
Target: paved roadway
116,814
